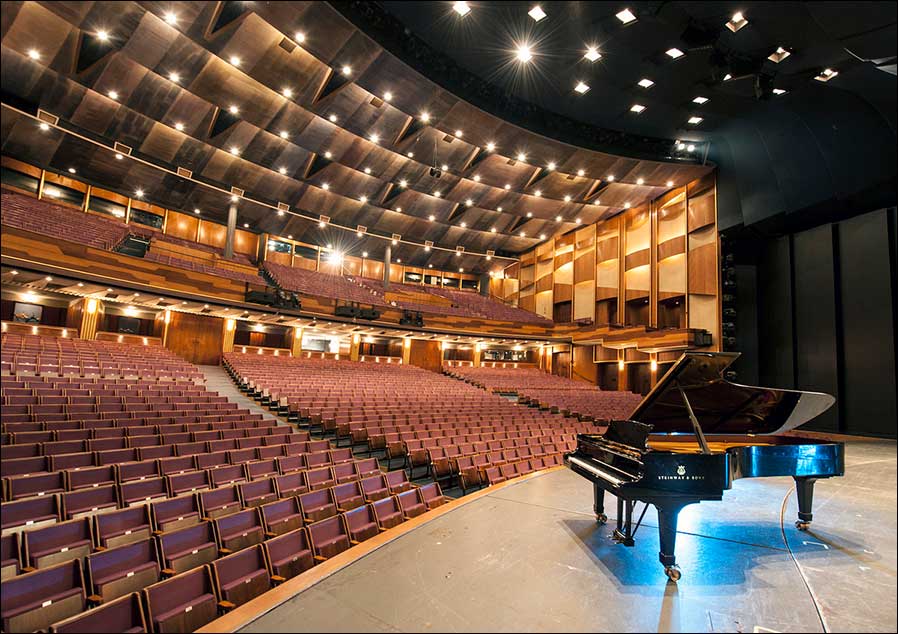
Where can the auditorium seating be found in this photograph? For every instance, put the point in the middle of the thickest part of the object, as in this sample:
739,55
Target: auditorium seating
552,392
60,222
322,284
230,273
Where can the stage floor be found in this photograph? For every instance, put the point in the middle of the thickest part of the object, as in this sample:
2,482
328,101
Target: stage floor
530,557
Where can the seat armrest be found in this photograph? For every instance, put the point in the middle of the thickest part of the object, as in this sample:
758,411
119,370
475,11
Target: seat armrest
169,572
224,551
320,558
95,599
226,606
276,579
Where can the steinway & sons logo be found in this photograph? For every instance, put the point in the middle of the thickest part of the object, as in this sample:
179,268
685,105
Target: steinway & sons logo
681,475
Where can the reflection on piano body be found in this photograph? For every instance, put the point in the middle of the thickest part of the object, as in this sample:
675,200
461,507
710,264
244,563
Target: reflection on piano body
695,433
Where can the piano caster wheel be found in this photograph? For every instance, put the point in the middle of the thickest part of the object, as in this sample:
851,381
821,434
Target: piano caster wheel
802,526
673,573
601,518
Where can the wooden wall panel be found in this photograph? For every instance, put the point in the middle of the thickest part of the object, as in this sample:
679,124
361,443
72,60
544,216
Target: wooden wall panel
181,226
246,242
426,354
197,338
584,369
703,270
213,234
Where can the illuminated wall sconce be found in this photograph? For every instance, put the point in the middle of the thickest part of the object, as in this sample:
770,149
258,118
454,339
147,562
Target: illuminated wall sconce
65,333
92,307
244,350
167,316
407,342
34,330
297,333
654,365
478,347
356,338
620,365
230,324
145,341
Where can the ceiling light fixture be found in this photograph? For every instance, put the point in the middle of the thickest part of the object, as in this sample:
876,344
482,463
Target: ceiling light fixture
284,134
325,186
523,53
670,183
674,53
235,150
826,75
536,13
171,17
581,88
626,16
610,178
346,70
235,61
461,8
282,170
700,100
779,55
592,54
332,118
233,109
34,54
736,22
403,183
328,154
779,91
490,146
694,120
637,108
476,178
174,77
388,96
113,94
558,218
645,82
287,92
299,37
640,181
103,36
567,199
727,77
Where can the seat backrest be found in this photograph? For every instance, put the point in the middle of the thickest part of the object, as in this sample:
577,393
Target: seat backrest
124,614
183,603
122,559
124,522
190,537
38,599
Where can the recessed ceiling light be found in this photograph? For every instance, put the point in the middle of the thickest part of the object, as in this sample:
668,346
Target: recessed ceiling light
325,186
523,53
424,116
610,178
645,82
103,36
536,13
118,156
171,17
179,126
113,94
332,118
640,181
234,198
363,198
367,170
736,22
196,211
690,148
727,77
558,218
346,70
431,217
507,185
499,209
523,234
674,53
581,88
779,91
287,92
399,210
637,108
364,254
700,100
626,16
538,193
33,53
694,120
461,8
530,214
246,225
578,221
469,202
779,55
670,183
410,154
464,225
233,109
328,154
284,134
175,77
444,167
235,61
521,157
375,137
476,178
282,170
592,54
581,173
403,183
826,75
542,236
567,199
493,230
44,126
388,96
138,193
626,205
299,36
550,166
459,133
235,150
72,170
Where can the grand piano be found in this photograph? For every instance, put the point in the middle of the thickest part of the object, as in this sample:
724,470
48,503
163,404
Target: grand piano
692,436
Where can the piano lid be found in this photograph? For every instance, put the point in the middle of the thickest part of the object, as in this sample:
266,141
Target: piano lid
722,407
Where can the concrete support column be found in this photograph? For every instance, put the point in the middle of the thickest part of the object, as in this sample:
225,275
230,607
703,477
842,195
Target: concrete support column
232,229
354,345
388,256
296,344
227,339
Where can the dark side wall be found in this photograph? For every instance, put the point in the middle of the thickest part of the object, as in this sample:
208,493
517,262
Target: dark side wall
817,310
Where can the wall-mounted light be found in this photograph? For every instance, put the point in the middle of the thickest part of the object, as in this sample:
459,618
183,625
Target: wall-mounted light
230,324
92,307
620,365
654,365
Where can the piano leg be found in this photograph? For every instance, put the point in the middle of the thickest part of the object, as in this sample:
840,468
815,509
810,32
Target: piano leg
667,532
599,506
804,489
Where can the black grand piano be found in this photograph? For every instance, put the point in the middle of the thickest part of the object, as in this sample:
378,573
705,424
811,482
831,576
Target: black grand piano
695,433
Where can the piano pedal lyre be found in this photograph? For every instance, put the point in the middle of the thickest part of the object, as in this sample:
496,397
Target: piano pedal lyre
625,533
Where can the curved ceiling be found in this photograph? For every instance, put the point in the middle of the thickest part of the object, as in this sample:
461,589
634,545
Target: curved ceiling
254,95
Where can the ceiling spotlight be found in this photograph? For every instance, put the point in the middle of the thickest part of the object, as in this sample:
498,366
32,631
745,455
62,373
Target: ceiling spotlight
444,167
235,61
523,234
581,173
171,18
119,156
464,225
778,55
694,120
530,214
332,118
461,8
476,178
626,205
363,198
538,193
113,94
507,185
521,157
174,77
610,178
626,16
284,134
72,170
403,183
493,230
490,146
681,146
779,91
374,137
196,211
431,217
558,218
690,148
364,254
437,193
581,88
736,22
34,54
321,223
424,116
700,100
674,53
246,225
542,236
640,181
578,221
233,109
567,199
592,54
235,150
499,209
670,183
44,126
826,75
325,186
287,92
459,134
399,210
138,193
234,198
645,82
103,36
367,170
299,37
388,96
346,70
328,154
469,202
523,54
550,166
637,108
282,170
536,13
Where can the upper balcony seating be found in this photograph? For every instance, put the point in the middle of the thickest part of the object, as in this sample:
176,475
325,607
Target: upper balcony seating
218,271
59,222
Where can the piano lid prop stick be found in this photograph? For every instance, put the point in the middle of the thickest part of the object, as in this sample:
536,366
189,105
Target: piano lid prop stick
698,428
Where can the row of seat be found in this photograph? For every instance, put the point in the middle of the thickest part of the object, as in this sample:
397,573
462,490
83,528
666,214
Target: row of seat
139,585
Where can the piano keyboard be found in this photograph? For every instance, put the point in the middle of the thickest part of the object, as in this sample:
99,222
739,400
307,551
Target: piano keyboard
595,470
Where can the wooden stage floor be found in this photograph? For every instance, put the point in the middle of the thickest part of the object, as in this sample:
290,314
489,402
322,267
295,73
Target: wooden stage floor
530,557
